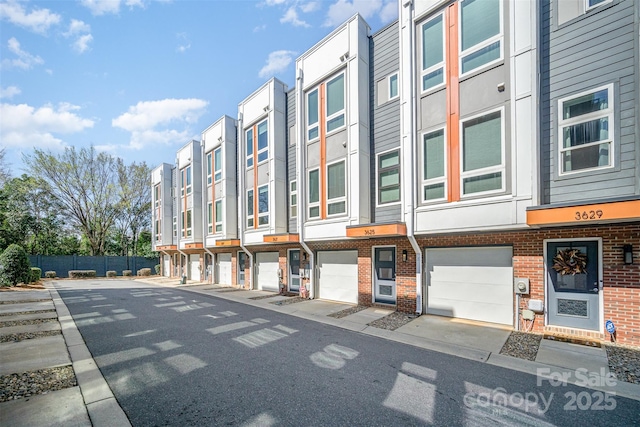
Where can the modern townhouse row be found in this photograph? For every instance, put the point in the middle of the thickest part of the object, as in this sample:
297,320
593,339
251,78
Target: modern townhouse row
478,159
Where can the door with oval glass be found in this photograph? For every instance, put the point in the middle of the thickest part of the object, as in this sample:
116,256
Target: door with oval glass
385,274
574,282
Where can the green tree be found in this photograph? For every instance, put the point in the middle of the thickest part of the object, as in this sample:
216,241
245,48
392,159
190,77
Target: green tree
5,172
85,183
14,266
135,204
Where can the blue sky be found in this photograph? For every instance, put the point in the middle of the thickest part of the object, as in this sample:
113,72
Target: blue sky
140,78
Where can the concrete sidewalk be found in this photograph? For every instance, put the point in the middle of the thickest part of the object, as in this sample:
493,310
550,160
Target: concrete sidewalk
91,402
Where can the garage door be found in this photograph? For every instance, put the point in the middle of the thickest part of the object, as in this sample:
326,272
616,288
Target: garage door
267,271
470,283
194,260
224,269
166,266
338,276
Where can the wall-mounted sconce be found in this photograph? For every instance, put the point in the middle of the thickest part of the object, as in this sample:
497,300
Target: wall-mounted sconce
219,139
265,109
500,87
627,251
304,256
344,57
404,255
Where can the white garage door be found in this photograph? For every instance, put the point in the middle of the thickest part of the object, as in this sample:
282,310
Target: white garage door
471,283
224,269
194,260
267,271
166,266
338,276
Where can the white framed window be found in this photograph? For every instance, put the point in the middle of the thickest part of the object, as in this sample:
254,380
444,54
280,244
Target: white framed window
175,226
249,139
293,199
313,115
590,4
314,193
394,90
263,141
263,205
156,195
217,164
388,177
157,230
585,130
481,39
186,223
209,168
209,218
434,165
188,179
218,212
335,103
250,213
433,36
482,153
336,188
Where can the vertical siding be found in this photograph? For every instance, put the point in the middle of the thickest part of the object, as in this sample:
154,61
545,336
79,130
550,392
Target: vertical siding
385,119
291,154
589,51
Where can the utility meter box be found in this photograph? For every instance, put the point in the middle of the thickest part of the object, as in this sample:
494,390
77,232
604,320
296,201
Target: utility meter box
521,286
536,305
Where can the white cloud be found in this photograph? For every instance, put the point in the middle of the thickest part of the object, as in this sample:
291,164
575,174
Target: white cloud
342,10
22,125
291,16
312,6
24,59
82,33
9,92
81,44
389,12
77,27
142,139
103,7
185,44
274,2
277,62
260,28
38,20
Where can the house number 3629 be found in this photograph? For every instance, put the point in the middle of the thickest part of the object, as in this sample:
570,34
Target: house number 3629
584,215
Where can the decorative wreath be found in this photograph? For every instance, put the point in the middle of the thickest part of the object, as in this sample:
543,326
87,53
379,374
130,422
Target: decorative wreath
570,261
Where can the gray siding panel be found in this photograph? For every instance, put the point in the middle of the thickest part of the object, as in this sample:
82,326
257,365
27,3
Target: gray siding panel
385,118
291,154
593,50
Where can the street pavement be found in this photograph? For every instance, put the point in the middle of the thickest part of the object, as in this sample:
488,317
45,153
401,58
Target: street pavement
92,402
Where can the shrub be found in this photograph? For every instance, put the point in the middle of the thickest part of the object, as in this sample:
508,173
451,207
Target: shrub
157,268
144,272
126,272
81,274
15,266
36,274
111,273
50,274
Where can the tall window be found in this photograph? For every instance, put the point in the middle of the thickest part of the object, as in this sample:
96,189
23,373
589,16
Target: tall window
250,148
209,218
188,178
263,205
312,115
389,177
433,165
393,86
314,193
432,53
218,215
480,34
335,103
336,189
250,214
157,230
263,141
482,154
186,223
209,168
175,226
156,195
217,164
293,199
586,134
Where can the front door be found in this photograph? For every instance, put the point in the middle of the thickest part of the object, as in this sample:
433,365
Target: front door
574,282
242,260
294,270
385,274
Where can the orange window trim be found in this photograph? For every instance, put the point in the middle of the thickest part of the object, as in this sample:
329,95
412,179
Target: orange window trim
453,104
323,153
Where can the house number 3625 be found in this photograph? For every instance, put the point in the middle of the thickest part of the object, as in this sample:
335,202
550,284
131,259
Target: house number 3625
584,215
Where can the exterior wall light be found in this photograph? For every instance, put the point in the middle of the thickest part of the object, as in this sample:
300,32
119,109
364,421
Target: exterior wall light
404,255
627,251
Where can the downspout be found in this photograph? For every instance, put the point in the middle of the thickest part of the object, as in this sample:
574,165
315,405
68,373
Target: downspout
212,260
301,177
241,216
205,216
410,190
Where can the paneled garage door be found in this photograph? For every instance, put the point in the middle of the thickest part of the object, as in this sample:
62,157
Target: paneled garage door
267,271
166,266
194,261
470,283
338,276
224,269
